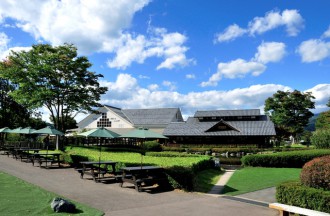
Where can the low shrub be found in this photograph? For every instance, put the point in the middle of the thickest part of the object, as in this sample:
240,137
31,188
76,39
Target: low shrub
292,159
184,177
152,146
296,194
321,139
316,173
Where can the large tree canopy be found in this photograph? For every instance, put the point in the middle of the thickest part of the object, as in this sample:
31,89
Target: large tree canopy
290,111
55,78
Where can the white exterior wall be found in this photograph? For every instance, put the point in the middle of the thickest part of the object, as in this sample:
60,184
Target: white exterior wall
116,121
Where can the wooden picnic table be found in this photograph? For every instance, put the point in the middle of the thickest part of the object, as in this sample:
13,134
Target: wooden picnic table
25,153
48,158
143,176
97,169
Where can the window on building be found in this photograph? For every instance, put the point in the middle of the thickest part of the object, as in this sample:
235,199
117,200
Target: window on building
104,121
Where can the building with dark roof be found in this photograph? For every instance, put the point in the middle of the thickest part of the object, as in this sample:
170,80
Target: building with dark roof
123,120
223,127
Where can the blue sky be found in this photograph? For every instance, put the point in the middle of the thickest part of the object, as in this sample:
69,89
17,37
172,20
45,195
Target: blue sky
195,55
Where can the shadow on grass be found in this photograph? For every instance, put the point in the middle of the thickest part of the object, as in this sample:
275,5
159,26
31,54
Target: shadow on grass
228,189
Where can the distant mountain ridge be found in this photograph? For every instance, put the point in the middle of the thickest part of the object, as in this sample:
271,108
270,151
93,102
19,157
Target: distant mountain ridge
311,125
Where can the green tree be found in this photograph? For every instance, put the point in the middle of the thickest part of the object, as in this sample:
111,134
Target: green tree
323,120
55,78
290,111
12,114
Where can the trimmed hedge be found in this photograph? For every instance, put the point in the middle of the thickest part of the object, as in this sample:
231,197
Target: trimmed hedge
184,177
296,194
294,159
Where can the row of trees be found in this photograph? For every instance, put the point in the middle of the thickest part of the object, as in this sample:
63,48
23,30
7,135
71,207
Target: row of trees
55,78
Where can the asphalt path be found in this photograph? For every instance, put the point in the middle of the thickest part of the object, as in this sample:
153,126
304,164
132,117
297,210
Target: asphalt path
116,201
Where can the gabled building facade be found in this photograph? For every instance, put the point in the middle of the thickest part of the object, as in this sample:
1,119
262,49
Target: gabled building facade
124,120
223,127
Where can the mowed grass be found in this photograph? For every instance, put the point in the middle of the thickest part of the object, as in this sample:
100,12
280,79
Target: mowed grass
18,197
256,178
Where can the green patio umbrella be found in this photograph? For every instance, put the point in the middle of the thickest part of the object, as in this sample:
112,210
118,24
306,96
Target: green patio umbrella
27,130
143,134
100,132
50,131
16,130
5,130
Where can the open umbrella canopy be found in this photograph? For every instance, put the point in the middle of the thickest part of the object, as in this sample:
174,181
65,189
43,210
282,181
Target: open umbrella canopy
143,133
5,130
27,130
16,130
48,130
99,132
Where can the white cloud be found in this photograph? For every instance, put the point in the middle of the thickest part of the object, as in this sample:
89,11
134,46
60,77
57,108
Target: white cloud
190,76
139,97
239,68
168,46
170,85
235,69
4,40
314,50
326,34
97,26
88,24
230,33
270,52
123,87
153,87
4,46
291,19
321,92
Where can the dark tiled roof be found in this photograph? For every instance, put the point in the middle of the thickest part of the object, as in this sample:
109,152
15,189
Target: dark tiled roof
159,116
225,113
193,127
118,111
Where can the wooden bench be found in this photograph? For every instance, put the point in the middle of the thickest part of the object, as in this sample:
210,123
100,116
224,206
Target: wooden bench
97,169
143,177
285,210
51,158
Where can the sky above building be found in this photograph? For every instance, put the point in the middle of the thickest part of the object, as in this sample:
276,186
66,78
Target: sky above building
194,55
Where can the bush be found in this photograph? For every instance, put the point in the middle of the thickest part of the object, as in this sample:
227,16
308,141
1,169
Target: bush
152,146
316,173
321,139
292,159
296,194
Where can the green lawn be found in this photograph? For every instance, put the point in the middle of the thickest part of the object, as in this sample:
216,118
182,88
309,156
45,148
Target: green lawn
18,197
256,178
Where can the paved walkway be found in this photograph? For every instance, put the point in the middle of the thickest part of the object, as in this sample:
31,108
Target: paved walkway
117,201
220,185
